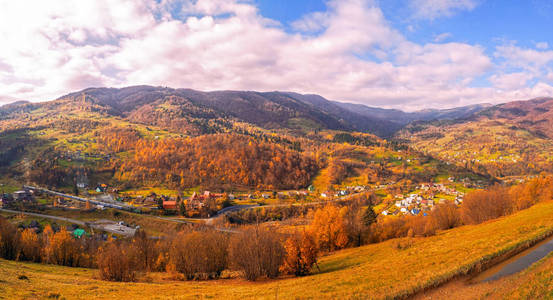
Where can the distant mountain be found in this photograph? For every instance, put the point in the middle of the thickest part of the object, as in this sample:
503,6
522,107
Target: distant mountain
403,118
534,115
165,106
507,139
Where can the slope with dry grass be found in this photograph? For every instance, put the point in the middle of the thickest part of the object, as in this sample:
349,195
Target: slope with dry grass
393,268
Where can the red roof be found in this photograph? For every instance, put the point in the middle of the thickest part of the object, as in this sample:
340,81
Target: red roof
169,204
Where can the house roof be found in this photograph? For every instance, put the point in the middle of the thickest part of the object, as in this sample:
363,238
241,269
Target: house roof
78,232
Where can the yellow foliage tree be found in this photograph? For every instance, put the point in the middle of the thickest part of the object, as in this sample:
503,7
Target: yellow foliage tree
329,228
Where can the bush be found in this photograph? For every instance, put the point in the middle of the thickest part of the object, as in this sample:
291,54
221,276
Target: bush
199,255
116,262
257,252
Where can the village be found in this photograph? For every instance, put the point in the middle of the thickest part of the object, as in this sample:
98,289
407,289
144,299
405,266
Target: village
424,200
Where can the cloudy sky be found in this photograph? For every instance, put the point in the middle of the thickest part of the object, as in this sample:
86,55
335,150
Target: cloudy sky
407,54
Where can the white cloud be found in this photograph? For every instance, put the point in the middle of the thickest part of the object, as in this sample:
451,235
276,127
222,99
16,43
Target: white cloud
510,81
524,57
542,45
433,9
350,53
442,37
312,22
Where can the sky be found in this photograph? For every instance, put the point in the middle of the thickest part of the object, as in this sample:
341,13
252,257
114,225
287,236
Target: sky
406,54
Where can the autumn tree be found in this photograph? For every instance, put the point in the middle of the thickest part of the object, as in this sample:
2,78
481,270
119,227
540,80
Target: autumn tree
62,249
199,255
329,227
30,246
446,215
482,205
257,252
301,254
9,239
115,262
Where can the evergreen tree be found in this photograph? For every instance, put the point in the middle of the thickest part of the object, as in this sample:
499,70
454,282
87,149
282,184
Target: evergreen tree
369,217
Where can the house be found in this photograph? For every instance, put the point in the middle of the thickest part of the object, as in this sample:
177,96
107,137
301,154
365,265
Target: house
6,200
169,205
23,196
266,196
78,233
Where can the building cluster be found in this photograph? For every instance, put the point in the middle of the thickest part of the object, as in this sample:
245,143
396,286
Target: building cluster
19,197
423,201
344,192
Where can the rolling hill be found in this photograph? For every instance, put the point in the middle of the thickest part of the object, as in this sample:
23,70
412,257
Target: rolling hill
189,109
509,139
149,136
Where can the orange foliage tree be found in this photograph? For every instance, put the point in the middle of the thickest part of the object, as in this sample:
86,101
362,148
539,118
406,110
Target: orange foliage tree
329,228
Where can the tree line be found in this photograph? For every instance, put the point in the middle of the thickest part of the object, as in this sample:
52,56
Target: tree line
215,160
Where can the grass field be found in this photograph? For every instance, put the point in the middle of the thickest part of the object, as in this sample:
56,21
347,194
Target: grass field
375,271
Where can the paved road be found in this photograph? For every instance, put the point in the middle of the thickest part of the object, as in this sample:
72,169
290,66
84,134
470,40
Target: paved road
78,222
120,206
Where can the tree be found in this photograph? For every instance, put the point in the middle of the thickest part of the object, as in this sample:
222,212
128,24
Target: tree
115,262
29,246
329,227
301,254
482,205
199,255
446,215
369,216
9,239
257,252
61,249
182,208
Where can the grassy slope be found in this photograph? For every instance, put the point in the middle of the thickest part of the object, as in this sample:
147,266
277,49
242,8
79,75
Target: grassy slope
536,282
374,271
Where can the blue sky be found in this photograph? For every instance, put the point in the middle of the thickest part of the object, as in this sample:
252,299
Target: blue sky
407,54
491,22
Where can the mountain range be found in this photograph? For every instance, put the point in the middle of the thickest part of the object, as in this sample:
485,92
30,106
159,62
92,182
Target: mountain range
271,110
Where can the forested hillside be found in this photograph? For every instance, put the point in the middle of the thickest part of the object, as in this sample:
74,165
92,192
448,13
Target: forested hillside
510,139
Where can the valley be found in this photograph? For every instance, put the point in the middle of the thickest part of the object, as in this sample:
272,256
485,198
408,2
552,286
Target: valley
114,167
